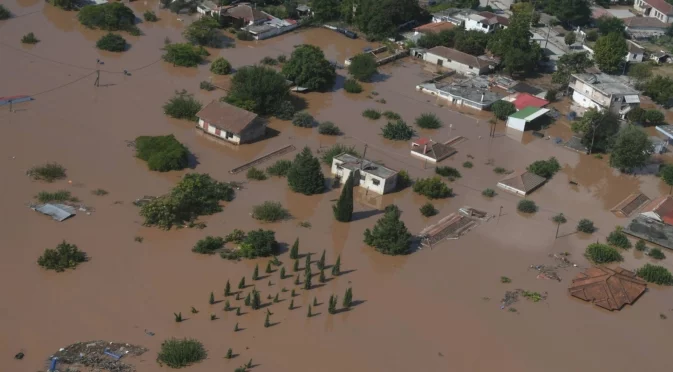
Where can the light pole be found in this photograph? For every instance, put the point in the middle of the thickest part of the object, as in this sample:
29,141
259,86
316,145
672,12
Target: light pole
97,82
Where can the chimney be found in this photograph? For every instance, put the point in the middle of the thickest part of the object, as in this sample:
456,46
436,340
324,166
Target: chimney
482,97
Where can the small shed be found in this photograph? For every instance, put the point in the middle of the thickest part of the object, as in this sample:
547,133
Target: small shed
230,123
374,177
521,183
607,288
59,212
521,118
430,150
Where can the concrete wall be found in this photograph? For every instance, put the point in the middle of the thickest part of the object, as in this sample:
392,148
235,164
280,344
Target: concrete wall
515,123
471,24
366,180
465,69
634,58
584,101
511,189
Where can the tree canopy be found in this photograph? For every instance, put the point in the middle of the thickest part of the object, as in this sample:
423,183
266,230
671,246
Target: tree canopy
111,16
325,10
640,71
632,149
65,256
363,66
112,43
519,54
609,53
569,12
471,42
570,63
380,18
608,24
305,176
183,54
259,243
343,209
220,66
660,89
545,168
308,68
502,109
445,37
259,89
162,153
597,129
204,31
390,235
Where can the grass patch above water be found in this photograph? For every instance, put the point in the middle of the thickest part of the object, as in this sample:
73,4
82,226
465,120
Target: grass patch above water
177,353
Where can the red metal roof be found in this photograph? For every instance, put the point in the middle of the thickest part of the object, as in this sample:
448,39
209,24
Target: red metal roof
524,100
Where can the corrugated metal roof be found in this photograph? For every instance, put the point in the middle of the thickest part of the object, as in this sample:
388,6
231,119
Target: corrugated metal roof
529,113
59,212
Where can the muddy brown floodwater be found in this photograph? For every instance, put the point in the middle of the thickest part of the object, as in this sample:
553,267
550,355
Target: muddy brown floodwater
434,310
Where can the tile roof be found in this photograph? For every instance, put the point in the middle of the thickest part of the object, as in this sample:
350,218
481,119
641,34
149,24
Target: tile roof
494,18
458,56
245,12
634,48
607,288
435,27
524,100
437,151
663,207
226,117
647,22
523,181
660,5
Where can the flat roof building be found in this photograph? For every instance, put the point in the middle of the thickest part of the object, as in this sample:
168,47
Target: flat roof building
372,176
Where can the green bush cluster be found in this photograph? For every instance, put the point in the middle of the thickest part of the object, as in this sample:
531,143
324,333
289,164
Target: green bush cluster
29,38
184,54
328,128
489,193
49,172
255,174
279,168
655,274
429,121
207,85
656,253
303,119
208,245
397,130
619,239
269,212
259,243
65,256
526,206
371,114
150,16
432,188
545,168
111,16
177,353
602,253
428,210
390,115
162,153
586,226
220,66
352,86
182,105
451,173
55,197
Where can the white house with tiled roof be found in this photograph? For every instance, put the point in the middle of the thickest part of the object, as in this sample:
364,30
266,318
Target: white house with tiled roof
658,9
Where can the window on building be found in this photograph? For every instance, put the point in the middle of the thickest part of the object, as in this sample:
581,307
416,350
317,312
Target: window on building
230,135
362,177
376,182
339,166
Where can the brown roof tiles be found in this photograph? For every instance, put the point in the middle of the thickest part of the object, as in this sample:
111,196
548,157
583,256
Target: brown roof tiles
226,117
523,181
607,288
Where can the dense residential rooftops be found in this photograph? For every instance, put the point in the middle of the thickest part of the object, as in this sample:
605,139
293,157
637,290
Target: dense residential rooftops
226,116
606,84
351,163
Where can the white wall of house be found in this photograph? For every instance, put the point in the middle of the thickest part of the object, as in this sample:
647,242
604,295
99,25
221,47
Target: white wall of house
642,7
366,180
585,101
515,123
445,62
511,189
471,24
222,134
634,57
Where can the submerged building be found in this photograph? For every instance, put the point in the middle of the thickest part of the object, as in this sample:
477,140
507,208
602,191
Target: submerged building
374,177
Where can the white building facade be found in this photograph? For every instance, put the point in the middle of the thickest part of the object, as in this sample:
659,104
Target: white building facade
371,176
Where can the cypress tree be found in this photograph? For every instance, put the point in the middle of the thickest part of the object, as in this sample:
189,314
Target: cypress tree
268,312
282,272
255,274
291,304
227,289
268,268
305,175
249,365
256,300
308,315
296,281
348,298
390,235
275,261
336,269
230,354
343,209
321,261
227,305
322,276
241,284
238,296
315,301
266,321
268,297
307,280
236,327
270,283
275,299
178,317
332,304
308,262
247,300
294,252
194,311
292,294
211,300
238,311
296,266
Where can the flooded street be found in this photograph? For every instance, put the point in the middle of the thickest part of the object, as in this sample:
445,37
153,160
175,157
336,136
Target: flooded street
433,310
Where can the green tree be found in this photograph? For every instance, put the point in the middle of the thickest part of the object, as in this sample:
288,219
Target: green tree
518,52
325,10
608,24
227,289
502,109
640,71
259,89
220,66
267,322
307,279
230,354
162,153
570,38
305,175
256,300
112,43
321,261
571,63
545,168
381,18
294,251
445,38
586,226
558,220
241,284
183,54
348,298
597,129
307,264
363,66
296,266
343,209
150,16
4,13
636,115
336,269
204,31
322,278
569,12
208,245
390,235
666,174
609,53
397,130
308,314
211,299
268,268
112,16
296,281
602,254
291,307
433,188
255,272
64,4
472,42
308,68
660,89
182,105
332,304
65,256
282,272
259,243
654,117
632,149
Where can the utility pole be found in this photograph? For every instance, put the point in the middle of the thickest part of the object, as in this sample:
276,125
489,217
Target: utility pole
547,38
97,82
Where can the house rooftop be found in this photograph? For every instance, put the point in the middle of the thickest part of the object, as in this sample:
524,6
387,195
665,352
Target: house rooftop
226,117
245,12
649,22
435,27
494,18
660,5
529,113
523,181
526,88
651,230
524,100
662,206
606,84
351,162
634,48
607,288
460,57
432,149
469,92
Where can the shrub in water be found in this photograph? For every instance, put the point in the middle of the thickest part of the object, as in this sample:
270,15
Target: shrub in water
391,115
235,236
432,188
49,172
545,168
269,211
220,66
65,256
451,173
184,54
527,206
329,154
150,16
29,38
268,61
99,192
208,245
489,193
4,13
303,119
586,226
207,85
655,274
371,114
428,210
279,168
602,253
255,174
182,106
352,86
177,353
259,243
657,254
641,246
428,121
328,128
162,153
499,170
281,58
58,197
403,180
619,239
397,131
468,164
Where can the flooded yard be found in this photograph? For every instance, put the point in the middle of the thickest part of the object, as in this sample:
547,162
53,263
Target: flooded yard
433,310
